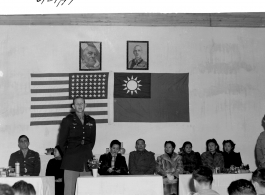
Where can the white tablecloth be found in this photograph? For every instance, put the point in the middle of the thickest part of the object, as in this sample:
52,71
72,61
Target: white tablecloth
120,185
42,185
220,182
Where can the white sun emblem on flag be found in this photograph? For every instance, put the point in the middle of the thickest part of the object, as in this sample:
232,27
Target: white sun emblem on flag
132,85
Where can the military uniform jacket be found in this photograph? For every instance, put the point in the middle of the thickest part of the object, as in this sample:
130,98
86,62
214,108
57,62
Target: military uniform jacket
77,141
142,163
30,165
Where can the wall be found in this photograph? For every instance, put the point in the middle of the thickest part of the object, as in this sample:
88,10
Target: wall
226,67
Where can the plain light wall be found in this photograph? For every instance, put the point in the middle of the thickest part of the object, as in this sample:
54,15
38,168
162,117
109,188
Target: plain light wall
226,82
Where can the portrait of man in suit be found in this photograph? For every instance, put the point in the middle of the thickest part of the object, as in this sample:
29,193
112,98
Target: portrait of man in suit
137,55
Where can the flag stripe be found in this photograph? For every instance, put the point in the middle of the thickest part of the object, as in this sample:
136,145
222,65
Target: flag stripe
51,75
49,98
65,114
51,102
95,109
49,82
66,105
49,90
36,123
54,118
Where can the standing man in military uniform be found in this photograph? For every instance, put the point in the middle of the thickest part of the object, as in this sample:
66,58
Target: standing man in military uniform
77,138
29,160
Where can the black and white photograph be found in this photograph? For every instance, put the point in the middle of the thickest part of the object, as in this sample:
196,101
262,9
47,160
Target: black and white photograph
137,55
90,56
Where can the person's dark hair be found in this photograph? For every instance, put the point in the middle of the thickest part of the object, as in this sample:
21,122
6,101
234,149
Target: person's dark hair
212,141
170,142
59,150
203,175
259,176
231,142
241,187
139,140
6,190
24,137
32,190
186,143
115,142
23,188
78,97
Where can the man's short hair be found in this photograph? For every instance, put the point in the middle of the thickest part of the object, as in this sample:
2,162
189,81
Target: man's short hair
259,177
78,97
203,175
241,187
23,188
139,140
6,190
115,142
24,137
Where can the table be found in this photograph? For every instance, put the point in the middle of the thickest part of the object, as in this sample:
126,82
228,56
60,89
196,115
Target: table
220,182
120,185
42,185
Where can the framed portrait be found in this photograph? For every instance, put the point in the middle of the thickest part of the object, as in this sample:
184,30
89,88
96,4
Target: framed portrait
90,55
137,55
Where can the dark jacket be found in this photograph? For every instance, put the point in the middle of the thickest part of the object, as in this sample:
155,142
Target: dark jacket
77,141
232,158
120,164
142,163
212,161
54,169
191,161
30,165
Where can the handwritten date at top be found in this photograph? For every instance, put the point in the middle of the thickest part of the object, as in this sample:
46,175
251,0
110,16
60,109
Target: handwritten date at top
57,2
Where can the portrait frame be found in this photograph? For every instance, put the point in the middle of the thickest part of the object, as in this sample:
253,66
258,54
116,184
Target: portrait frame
90,53
143,62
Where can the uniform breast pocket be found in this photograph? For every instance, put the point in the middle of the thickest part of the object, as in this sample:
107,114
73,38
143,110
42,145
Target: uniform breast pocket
73,130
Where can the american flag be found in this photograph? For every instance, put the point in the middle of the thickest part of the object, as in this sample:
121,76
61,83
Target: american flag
52,95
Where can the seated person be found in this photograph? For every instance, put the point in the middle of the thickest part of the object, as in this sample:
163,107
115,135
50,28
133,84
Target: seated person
212,158
29,160
54,169
141,162
191,160
169,165
241,187
6,190
230,157
113,163
258,180
203,178
23,188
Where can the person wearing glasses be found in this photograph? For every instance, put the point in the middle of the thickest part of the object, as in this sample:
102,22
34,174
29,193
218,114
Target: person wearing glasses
29,160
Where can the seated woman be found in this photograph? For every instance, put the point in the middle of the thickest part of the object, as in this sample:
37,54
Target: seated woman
169,165
54,169
191,160
113,163
230,157
258,180
212,158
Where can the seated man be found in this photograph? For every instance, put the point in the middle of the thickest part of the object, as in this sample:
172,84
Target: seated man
203,178
258,180
241,187
29,160
141,162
